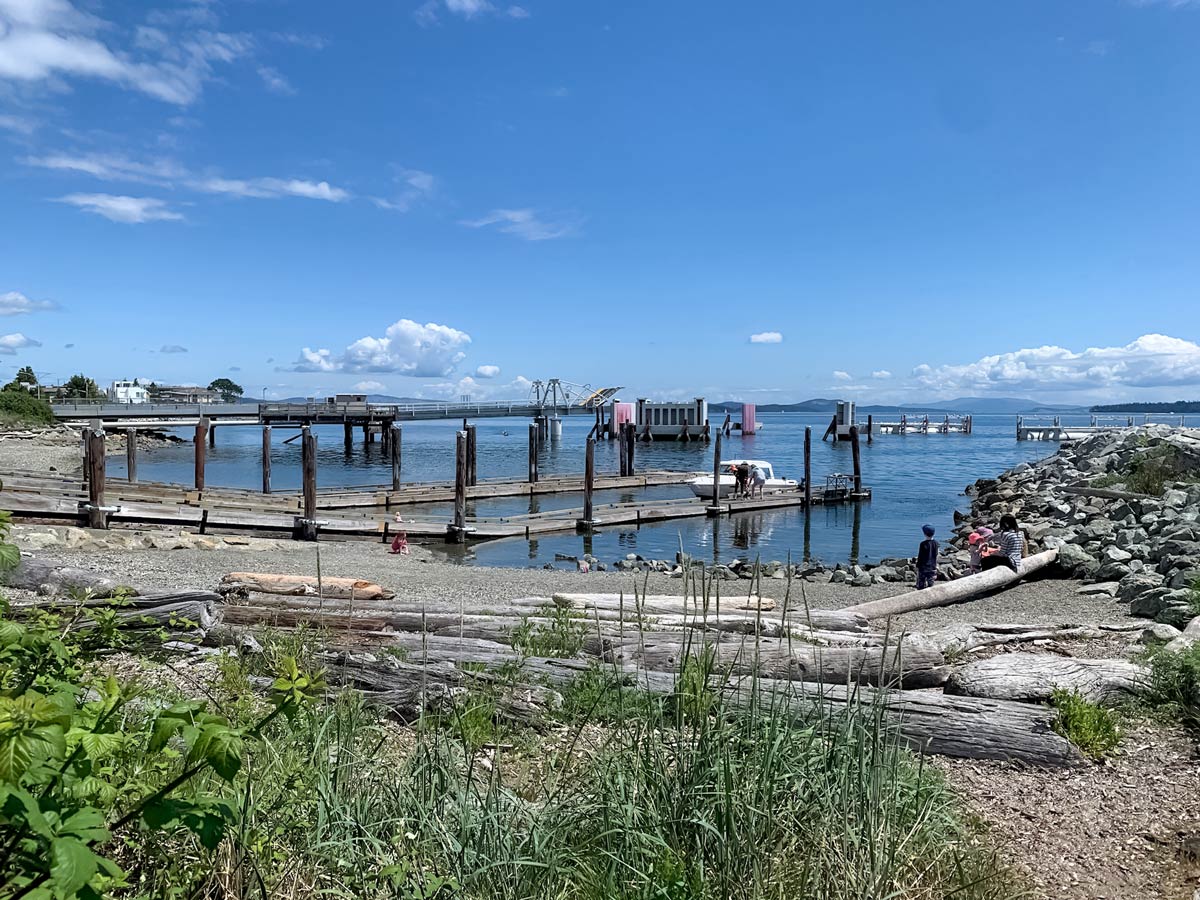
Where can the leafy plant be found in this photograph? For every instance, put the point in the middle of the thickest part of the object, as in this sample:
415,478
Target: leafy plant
1091,728
1174,686
19,407
562,636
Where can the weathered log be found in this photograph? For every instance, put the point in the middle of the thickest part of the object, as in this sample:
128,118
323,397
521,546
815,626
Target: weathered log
302,585
956,591
751,607
963,636
182,615
49,578
1033,677
929,722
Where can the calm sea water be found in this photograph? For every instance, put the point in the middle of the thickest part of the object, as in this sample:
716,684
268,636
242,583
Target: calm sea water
915,479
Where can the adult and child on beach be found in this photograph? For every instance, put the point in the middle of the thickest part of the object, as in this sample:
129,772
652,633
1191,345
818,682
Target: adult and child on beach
988,551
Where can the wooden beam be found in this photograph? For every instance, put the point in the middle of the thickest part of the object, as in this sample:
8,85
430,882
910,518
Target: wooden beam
266,459
714,508
201,441
456,533
397,436
97,517
808,467
589,482
131,455
471,456
533,453
308,463
856,458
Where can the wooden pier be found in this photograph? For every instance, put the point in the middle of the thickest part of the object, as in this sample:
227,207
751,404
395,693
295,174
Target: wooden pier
922,425
99,502
1043,428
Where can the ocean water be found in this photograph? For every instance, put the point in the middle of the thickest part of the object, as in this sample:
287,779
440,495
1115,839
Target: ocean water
915,479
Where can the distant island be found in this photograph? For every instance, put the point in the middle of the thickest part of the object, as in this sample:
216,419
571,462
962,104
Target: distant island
1178,407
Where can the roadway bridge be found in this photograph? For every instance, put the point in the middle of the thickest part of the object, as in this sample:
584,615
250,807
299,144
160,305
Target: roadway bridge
179,415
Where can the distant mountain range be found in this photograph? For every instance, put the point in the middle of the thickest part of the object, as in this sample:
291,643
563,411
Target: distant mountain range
974,405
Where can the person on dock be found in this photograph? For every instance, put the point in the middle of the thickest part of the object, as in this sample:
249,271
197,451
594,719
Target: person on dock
741,479
758,481
927,559
1010,548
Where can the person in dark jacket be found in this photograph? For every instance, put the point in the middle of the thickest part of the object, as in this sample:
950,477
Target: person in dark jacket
927,559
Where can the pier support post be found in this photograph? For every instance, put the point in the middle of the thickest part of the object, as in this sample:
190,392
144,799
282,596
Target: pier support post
472,456
588,522
807,468
630,444
714,509
212,435
870,428
97,516
201,443
396,438
832,429
266,459
533,453
348,436
456,532
854,453
307,525
131,455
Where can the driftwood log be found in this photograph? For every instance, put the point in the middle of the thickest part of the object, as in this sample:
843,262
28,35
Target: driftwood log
956,591
50,579
1033,677
302,585
963,637
180,615
929,722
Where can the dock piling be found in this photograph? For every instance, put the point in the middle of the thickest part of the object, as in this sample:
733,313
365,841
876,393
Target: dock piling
472,455
630,444
714,508
588,522
870,427
854,452
807,468
456,533
397,436
266,459
347,436
201,444
533,453
97,515
212,434
131,455
308,465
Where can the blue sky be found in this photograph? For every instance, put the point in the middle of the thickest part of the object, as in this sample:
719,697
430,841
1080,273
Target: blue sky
772,201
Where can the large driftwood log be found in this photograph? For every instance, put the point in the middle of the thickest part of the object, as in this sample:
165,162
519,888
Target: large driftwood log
186,615
964,637
732,606
51,579
929,722
953,591
302,585
1033,677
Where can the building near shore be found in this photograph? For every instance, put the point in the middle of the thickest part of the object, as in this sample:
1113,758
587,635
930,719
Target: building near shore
128,392
183,393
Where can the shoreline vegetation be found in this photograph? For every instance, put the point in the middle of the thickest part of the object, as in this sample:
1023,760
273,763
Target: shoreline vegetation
408,747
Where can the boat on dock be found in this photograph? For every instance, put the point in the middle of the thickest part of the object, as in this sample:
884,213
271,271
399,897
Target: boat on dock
702,485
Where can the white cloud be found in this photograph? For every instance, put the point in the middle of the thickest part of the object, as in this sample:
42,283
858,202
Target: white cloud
14,303
517,12
414,186
487,371
523,223
307,41
165,172
172,348
17,124
51,40
881,374
128,210
11,343
275,81
370,387
843,376
1153,360
407,348
767,337
468,9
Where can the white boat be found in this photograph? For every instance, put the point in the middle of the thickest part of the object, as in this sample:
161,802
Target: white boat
702,485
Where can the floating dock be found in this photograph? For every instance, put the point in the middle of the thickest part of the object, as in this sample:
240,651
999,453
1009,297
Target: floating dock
922,425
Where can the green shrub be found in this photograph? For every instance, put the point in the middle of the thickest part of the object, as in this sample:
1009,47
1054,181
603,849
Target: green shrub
1091,728
19,407
561,636
1174,687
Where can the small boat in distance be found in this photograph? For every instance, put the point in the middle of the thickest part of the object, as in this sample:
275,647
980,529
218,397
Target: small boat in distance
702,485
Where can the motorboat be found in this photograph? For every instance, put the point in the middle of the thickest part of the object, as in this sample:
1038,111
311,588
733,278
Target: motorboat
702,485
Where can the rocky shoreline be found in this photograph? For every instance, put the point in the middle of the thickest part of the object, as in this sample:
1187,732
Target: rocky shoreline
58,448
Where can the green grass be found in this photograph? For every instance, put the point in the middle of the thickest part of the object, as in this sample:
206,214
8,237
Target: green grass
1174,687
561,637
1150,471
1091,728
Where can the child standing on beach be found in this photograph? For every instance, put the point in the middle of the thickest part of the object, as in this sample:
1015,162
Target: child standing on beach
927,557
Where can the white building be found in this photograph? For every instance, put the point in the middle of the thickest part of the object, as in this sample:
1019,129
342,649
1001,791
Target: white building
127,392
